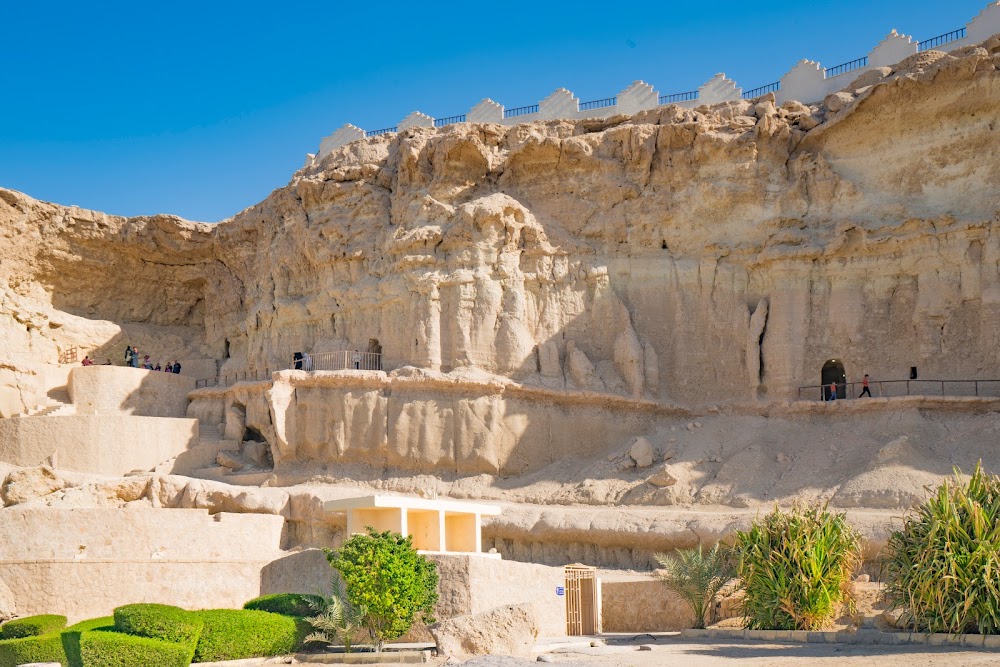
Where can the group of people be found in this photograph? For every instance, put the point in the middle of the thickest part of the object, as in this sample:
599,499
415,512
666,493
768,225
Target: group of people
132,360
865,389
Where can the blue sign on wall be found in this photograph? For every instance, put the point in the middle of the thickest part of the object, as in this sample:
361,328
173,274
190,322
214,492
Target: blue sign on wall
560,590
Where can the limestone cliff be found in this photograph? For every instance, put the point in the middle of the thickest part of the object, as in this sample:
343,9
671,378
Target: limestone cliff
678,255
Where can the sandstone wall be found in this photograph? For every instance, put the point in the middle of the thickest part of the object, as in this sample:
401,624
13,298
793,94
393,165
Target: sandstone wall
105,445
641,603
111,390
84,562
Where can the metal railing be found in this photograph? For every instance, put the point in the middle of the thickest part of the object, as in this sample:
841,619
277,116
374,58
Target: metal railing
763,90
375,133
520,111
339,361
689,96
599,104
899,388
843,68
952,36
441,122
228,379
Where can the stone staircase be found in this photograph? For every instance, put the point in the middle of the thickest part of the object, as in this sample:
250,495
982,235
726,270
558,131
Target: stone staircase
58,405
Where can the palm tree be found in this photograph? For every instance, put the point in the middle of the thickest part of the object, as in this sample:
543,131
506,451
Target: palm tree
697,576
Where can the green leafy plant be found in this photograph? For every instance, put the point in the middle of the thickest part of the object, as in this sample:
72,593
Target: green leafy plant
159,621
388,582
32,626
796,568
287,604
105,647
235,634
62,646
942,570
335,620
697,576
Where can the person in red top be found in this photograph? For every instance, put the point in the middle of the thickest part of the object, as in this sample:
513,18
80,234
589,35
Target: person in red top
86,361
864,387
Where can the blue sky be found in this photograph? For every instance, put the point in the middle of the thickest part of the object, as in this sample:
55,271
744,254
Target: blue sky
201,109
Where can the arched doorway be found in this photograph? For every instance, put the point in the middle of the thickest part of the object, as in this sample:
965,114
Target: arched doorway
833,371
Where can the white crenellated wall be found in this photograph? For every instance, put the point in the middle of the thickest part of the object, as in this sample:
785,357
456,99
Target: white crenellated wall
806,82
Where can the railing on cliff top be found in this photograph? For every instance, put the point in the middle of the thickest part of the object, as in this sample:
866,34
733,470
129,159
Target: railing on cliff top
302,361
806,82
899,388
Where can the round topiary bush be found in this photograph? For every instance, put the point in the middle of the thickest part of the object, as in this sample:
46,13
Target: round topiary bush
288,604
32,626
796,568
942,570
159,621
234,634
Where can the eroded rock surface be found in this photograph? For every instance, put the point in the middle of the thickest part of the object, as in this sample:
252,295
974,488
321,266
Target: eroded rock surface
507,630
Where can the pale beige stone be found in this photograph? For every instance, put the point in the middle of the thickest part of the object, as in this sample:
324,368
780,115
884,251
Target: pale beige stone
22,485
642,453
508,630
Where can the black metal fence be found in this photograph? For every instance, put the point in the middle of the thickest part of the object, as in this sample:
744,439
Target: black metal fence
846,67
599,104
898,388
520,111
934,42
673,98
450,120
229,379
763,90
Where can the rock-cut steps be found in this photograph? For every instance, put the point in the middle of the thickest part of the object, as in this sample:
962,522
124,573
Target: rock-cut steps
58,405
202,455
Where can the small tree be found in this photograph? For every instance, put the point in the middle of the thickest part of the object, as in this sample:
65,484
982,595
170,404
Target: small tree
697,577
388,582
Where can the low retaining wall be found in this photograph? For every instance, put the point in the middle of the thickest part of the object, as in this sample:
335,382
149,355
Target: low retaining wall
84,563
117,390
103,445
641,603
846,637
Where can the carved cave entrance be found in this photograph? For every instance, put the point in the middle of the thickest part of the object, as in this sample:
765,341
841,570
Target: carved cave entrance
833,371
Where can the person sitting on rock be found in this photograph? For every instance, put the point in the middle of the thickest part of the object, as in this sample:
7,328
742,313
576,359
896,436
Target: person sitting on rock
157,367
107,362
177,367
145,363
86,361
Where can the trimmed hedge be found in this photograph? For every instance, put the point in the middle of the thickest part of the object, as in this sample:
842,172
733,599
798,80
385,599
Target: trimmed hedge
59,646
234,634
103,647
159,621
41,648
287,604
32,626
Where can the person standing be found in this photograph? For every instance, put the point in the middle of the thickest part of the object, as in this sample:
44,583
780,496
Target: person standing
135,357
864,387
307,362
357,360
128,355
833,390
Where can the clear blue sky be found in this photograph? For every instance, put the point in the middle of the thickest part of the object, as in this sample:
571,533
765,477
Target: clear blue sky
201,109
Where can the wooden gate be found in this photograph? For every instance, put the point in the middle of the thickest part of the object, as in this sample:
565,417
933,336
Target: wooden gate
583,601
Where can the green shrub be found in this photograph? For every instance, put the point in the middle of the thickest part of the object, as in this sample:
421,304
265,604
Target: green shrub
286,604
158,621
41,648
697,577
387,581
234,634
796,568
32,626
71,637
335,621
105,647
942,570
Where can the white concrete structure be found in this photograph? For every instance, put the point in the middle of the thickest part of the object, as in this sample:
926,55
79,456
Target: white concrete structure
808,81
437,526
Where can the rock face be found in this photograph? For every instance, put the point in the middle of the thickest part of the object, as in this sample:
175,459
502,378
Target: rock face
628,255
508,630
22,485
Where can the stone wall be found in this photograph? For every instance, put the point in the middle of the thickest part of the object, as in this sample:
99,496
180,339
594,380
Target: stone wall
641,603
84,562
114,390
104,445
